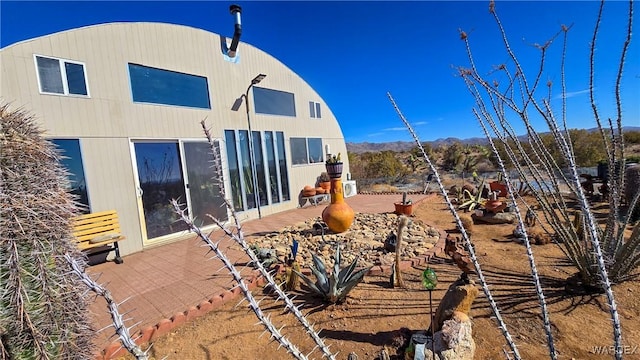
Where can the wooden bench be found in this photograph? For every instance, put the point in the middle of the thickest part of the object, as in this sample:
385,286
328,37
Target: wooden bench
97,230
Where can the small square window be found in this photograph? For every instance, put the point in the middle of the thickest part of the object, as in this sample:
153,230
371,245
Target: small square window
314,109
63,77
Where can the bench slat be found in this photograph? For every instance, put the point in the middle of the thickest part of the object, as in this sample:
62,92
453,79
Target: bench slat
84,245
102,225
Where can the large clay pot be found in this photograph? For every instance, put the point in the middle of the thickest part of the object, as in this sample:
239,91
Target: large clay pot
338,215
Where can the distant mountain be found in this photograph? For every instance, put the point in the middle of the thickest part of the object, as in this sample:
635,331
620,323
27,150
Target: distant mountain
398,146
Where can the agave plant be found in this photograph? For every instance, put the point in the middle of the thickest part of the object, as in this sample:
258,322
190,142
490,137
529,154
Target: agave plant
333,287
474,200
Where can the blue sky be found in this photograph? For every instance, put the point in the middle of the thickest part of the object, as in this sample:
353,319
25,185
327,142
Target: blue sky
353,52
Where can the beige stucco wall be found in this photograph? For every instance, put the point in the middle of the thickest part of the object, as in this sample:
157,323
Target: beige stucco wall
108,120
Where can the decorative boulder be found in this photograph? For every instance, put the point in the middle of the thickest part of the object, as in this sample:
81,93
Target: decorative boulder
489,218
454,341
458,298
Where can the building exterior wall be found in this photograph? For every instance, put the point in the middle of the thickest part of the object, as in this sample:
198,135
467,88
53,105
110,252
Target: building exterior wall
107,121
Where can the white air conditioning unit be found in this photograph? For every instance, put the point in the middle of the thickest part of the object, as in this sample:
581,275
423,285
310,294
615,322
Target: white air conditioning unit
349,188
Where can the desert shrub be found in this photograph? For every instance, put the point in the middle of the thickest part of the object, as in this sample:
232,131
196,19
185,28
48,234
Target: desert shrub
43,312
382,164
452,156
631,137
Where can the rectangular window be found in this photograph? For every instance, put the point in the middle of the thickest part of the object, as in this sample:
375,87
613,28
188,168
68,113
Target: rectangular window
273,102
71,160
158,86
314,109
306,150
63,77
282,162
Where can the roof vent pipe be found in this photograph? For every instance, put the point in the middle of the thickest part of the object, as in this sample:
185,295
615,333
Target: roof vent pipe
236,11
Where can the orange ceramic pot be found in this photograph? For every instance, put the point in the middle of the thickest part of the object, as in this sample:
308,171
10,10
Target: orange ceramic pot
495,206
338,215
404,209
325,185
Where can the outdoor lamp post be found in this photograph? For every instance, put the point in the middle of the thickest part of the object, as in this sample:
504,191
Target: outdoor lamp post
252,159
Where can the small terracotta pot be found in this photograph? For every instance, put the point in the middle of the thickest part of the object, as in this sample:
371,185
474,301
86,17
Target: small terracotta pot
308,191
499,187
495,206
403,209
326,185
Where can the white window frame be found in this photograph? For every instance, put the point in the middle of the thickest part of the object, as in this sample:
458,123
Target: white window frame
314,112
306,142
63,73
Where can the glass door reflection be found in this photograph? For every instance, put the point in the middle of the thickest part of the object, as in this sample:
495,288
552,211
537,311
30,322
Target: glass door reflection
160,178
204,189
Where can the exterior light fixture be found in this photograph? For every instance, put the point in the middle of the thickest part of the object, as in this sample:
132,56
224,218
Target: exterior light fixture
252,158
257,79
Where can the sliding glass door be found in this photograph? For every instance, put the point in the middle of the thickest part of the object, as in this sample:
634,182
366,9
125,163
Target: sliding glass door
202,185
179,170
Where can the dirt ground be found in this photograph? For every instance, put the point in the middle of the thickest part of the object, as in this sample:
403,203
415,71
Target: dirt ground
376,316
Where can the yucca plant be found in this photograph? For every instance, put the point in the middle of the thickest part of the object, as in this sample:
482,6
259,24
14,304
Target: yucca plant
334,287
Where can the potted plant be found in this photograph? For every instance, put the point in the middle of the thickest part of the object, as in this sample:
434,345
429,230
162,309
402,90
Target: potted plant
499,186
324,181
338,215
405,207
334,166
494,205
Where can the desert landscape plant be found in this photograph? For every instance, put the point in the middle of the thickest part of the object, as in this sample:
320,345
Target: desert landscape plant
43,310
333,286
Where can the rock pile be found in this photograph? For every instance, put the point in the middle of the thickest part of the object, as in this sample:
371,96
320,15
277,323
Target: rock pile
364,239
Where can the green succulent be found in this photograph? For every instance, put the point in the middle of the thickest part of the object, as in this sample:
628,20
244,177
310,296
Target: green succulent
333,287
474,200
335,159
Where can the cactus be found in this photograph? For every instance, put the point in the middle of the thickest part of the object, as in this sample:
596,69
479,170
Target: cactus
43,310
293,267
333,287
335,159
404,199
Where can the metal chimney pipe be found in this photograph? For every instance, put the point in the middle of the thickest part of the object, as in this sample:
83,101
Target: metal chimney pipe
235,10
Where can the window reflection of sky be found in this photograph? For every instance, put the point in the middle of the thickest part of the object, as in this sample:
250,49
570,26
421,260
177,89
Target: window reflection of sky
158,162
71,159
